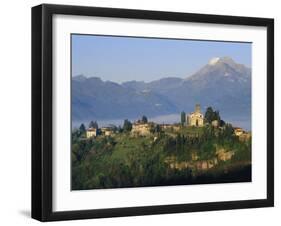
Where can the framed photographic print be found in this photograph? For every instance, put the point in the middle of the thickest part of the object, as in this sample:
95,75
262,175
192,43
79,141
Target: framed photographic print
145,112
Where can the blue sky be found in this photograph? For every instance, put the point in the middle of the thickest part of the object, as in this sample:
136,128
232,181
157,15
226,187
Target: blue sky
122,59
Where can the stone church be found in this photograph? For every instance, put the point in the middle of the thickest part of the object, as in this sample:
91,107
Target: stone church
195,118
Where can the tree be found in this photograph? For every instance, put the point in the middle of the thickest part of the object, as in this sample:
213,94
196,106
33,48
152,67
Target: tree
144,119
209,115
228,131
216,116
222,123
82,128
183,117
127,125
212,115
157,128
119,129
93,125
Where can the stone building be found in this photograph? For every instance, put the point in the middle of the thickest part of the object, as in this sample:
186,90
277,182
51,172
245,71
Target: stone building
107,131
141,129
242,134
91,132
238,131
195,118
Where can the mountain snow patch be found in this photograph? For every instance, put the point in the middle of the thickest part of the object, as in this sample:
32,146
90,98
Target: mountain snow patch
214,60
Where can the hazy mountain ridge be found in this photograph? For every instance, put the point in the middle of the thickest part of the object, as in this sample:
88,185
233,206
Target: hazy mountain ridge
94,98
221,83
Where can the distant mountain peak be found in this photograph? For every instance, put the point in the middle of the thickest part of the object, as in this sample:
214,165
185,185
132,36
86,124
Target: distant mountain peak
229,61
225,60
213,61
222,68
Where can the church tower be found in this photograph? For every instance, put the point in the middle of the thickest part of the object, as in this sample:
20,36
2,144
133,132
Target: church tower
197,108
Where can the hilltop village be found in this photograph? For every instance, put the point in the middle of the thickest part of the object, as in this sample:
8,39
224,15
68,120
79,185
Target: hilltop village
200,148
143,127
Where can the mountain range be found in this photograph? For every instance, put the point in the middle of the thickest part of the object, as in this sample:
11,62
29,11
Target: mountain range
222,83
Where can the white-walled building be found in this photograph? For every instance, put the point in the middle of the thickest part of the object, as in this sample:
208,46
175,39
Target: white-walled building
195,118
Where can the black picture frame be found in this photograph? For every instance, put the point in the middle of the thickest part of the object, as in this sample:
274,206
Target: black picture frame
42,111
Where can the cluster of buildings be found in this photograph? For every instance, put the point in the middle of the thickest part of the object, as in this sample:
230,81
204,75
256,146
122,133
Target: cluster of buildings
140,128
195,118
144,129
242,134
94,132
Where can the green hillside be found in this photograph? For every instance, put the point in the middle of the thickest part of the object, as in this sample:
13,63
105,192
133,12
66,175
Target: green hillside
188,155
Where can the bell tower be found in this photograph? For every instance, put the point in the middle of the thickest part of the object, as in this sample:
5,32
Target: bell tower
197,108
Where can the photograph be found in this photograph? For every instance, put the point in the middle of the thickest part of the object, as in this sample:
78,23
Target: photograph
148,111
140,112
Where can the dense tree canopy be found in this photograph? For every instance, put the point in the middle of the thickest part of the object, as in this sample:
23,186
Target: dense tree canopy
144,119
211,115
93,124
82,128
127,126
